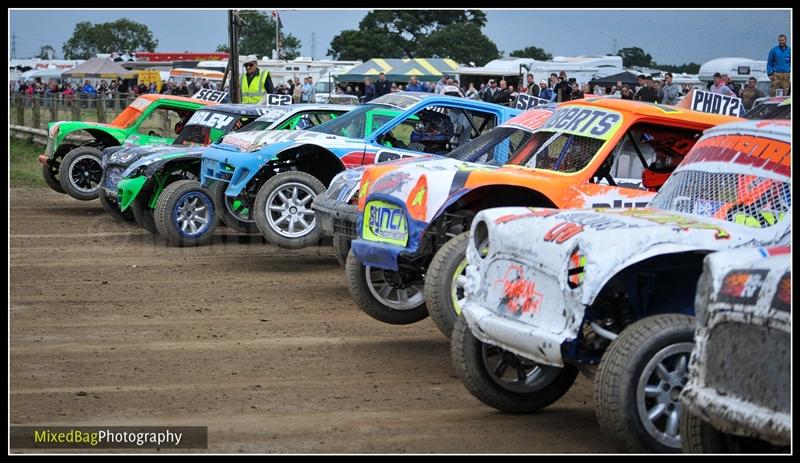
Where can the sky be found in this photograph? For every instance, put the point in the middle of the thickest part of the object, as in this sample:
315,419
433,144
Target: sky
669,36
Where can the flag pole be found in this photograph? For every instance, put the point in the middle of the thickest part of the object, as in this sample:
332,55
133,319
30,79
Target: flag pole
277,35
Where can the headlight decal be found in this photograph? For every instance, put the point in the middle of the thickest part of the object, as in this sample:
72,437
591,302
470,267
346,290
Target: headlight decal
576,268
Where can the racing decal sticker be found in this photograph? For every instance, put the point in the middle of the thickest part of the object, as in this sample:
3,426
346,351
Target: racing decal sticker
594,221
526,102
519,295
667,109
391,182
417,201
716,103
210,95
684,223
742,286
529,120
757,152
533,213
587,122
386,223
459,180
209,119
397,100
140,104
783,294
776,251
562,232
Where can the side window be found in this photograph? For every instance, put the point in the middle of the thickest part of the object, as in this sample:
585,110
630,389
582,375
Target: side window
164,122
646,156
469,125
321,117
439,130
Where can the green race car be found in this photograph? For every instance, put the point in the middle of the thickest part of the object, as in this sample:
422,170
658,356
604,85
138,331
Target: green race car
75,169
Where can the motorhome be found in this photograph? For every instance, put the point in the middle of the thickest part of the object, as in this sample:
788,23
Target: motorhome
738,69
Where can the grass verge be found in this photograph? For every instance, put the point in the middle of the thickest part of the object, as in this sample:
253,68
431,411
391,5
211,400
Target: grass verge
25,169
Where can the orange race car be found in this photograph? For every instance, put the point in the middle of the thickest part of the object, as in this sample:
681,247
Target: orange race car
415,216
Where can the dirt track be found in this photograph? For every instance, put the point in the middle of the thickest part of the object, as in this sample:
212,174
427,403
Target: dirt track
262,345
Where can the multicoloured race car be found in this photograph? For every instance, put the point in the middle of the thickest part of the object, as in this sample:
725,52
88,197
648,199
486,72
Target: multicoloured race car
147,120
597,152
277,175
137,176
549,293
336,209
738,398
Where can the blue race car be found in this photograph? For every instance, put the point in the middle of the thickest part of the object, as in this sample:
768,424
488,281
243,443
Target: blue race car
276,175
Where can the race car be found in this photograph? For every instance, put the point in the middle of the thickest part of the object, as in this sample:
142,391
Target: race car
76,169
204,126
336,210
771,107
549,293
277,175
137,176
595,152
738,397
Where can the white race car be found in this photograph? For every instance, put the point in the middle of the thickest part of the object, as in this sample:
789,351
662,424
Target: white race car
738,398
552,292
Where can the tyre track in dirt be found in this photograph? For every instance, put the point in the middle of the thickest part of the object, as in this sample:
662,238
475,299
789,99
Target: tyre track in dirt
264,346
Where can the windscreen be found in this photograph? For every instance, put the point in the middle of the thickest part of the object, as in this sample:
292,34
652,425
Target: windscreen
735,197
494,147
357,123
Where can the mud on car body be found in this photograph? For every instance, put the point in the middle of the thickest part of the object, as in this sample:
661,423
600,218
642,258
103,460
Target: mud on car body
141,123
589,153
550,292
145,175
277,175
738,398
336,209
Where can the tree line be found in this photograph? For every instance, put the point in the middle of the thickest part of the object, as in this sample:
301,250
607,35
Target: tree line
454,34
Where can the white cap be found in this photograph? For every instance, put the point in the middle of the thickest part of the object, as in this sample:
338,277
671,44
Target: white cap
249,59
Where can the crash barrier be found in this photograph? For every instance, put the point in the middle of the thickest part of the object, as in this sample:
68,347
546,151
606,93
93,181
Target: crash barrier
36,111
40,135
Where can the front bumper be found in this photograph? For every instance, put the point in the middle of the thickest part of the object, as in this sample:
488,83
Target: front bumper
521,338
336,217
742,390
112,175
736,416
232,167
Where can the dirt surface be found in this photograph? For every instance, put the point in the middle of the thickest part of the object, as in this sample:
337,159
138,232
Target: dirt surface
109,326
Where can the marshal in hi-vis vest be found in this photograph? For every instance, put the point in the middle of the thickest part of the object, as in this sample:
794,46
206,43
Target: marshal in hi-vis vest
254,91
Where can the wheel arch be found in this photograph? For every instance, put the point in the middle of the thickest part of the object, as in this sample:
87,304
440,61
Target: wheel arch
658,283
309,158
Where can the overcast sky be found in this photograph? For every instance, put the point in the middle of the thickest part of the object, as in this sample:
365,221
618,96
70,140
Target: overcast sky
671,36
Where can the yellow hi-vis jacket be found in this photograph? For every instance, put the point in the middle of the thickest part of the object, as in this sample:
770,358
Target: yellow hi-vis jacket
255,90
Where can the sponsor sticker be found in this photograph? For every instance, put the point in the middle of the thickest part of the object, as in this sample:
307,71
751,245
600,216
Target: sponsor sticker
587,122
385,223
742,286
209,119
